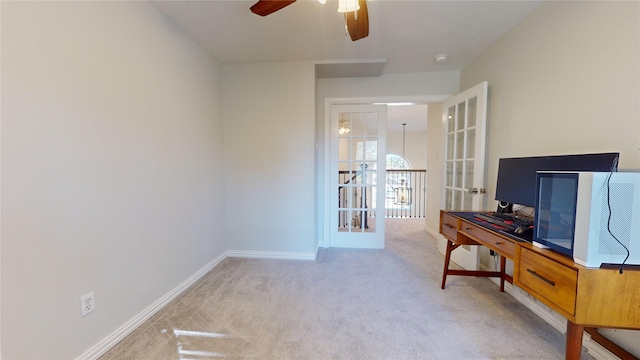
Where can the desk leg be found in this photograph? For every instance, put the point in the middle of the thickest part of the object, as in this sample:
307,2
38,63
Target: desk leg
447,257
574,341
503,266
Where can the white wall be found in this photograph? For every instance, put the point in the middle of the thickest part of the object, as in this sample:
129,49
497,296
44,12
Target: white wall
406,84
415,149
564,80
111,169
434,169
269,120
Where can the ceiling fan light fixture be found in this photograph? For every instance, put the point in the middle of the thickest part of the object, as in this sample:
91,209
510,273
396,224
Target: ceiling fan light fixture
343,125
348,6
322,1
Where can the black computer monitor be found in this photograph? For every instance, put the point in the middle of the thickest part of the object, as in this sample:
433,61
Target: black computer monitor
516,183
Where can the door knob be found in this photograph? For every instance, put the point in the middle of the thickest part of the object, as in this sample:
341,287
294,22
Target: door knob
476,190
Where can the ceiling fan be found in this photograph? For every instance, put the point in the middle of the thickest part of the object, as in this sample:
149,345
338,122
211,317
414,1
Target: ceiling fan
355,14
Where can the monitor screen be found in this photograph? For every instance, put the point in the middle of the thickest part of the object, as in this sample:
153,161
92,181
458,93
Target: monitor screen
556,211
516,183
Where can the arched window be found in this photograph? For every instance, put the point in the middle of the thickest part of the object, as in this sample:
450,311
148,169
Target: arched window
397,162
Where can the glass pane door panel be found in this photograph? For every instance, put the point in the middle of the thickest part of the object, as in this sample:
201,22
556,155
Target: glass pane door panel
459,145
371,221
468,200
471,114
450,143
343,148
343,220
449,172
371,149
353,197
471,143
357,120
457,200
371,124
358,172
359,151
468,174
366,178
344,193
344,124
451,119
458,173
461,116
372,178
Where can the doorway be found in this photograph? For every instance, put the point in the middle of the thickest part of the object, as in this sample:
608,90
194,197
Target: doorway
328,196
357,171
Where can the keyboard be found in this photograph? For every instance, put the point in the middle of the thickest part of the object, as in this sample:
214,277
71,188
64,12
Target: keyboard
512,219
496,221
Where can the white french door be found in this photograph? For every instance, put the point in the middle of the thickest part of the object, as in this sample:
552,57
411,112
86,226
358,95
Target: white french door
357,190
464,129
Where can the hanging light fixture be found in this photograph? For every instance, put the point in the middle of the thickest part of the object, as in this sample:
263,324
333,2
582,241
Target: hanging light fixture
403,192
343,125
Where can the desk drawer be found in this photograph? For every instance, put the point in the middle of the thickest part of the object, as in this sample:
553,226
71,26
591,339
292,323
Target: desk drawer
448,226
548,279
503,246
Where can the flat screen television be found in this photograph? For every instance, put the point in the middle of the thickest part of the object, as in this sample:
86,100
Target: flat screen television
592,217
516,183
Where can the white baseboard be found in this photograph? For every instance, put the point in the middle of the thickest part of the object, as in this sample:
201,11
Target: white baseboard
596,350
432,232
107,343
553,318
271,255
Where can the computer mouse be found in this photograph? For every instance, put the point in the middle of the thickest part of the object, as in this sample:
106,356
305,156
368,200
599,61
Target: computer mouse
521,230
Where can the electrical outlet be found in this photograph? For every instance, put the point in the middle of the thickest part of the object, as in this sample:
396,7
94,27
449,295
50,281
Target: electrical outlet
87,304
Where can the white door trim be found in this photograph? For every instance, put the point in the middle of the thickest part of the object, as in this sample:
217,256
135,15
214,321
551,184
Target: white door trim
324,209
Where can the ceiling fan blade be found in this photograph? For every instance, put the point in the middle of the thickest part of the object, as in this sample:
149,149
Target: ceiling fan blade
358,28
266,7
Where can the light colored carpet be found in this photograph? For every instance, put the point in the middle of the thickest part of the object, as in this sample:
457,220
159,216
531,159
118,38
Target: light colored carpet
348,304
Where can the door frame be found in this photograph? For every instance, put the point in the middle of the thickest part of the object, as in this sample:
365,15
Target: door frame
324,155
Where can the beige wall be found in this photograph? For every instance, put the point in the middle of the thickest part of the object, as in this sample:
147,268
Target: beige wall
415,148
111,159
269,131
434,169
565,80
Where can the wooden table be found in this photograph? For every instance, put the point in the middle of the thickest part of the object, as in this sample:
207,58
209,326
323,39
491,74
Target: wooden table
586,297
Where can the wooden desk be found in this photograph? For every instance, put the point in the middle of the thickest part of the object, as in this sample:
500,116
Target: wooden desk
586,297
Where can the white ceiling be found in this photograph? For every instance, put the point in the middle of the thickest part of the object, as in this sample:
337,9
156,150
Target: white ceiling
407,34
415,116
